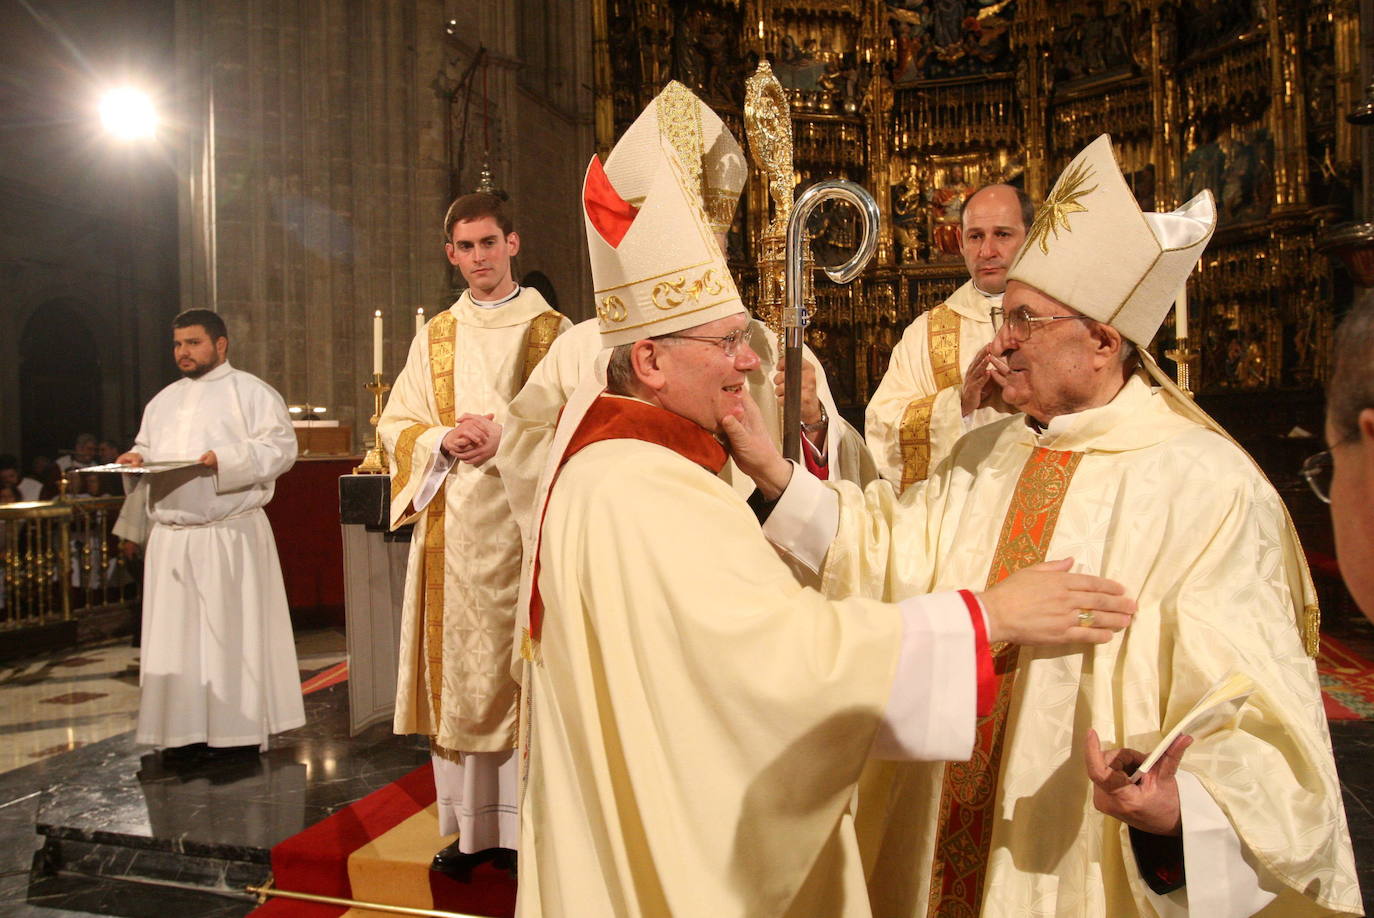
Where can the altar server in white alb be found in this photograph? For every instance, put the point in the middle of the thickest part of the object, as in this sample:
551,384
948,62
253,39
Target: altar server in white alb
219,662
696,719
441,428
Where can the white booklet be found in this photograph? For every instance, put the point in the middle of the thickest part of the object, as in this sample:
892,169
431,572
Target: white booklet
147,468
1215,709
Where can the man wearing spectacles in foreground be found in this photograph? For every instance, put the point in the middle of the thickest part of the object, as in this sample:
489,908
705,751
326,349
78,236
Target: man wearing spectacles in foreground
1348,480
1137,484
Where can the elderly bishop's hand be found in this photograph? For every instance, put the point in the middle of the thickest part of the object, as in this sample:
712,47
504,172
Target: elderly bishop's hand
1150,804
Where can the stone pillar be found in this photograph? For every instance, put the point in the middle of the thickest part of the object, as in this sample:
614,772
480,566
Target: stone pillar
313,185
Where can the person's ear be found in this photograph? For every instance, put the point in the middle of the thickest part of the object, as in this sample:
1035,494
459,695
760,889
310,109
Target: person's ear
646,356
513,242
1108,343
222,347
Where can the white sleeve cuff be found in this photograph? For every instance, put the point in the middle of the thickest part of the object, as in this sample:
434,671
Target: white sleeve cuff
435,470
1221,883
932,710
805,519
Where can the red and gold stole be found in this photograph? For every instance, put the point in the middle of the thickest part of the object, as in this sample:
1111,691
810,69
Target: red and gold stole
966,817
942,338
614,418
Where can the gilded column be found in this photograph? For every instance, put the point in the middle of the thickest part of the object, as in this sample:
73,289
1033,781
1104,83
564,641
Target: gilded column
1346,31
1168,140
1287,112
1030,37
604,106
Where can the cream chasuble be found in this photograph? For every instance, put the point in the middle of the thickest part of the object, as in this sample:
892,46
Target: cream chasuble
1184,520
916,413
696,720
462,578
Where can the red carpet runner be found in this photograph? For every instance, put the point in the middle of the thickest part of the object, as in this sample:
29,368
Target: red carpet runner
1347,681
378,850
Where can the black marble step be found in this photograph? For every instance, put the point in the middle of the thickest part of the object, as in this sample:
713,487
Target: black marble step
116,813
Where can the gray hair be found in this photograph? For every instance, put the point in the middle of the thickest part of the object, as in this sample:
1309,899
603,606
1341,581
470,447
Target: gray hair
620,372
1351,389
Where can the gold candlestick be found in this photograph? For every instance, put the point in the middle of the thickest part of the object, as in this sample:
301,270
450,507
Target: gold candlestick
374,463
1183,356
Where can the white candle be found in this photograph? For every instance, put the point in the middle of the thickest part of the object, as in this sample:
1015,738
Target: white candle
419,320
377,342
1181,313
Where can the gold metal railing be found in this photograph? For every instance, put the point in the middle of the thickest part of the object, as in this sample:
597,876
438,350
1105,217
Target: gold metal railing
58,559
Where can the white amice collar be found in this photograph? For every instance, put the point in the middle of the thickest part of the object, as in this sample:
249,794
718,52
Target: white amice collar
492,304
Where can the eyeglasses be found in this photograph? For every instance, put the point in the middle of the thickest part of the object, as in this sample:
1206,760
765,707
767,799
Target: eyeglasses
998,317
1021,322
729,343
1316,471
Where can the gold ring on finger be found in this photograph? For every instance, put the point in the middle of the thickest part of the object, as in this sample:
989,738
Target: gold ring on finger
1086,618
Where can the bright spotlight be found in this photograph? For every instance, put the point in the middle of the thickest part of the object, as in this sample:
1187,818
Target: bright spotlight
128,114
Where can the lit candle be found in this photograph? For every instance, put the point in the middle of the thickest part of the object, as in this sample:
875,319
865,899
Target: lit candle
1181,313
419,320
377,342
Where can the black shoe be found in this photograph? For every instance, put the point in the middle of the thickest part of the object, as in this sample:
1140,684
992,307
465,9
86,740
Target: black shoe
183,755
507,860
229,752
457,864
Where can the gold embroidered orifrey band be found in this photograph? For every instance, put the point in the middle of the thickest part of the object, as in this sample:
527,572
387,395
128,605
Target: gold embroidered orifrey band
942,332
942,338
966,817
543,329
914,439
405,451
442,335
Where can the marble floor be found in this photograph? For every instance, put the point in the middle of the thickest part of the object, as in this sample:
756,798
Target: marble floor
75,787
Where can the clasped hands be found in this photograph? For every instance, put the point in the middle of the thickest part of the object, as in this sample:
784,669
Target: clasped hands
473,439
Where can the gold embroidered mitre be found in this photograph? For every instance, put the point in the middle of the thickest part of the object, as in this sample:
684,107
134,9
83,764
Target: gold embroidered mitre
656,269
703,143
1092,248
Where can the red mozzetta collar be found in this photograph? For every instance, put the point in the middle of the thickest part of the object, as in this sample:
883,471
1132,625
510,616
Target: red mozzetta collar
613,418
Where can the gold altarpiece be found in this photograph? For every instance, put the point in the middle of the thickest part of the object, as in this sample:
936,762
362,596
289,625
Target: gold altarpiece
922,101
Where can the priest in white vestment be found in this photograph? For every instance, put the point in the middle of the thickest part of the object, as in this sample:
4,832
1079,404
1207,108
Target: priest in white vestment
695,720
218,661
1116,468
441,427
937,387
833,448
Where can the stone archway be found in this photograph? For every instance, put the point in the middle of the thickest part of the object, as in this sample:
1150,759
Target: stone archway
60,378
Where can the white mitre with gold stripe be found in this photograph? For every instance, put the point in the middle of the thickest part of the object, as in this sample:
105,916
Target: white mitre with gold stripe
656,269
1092,248
713,159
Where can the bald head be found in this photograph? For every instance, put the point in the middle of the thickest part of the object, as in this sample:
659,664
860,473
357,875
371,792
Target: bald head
995,221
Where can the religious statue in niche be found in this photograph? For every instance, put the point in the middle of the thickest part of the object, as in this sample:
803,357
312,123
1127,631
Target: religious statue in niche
1094,43
942,38
704,53
1247,185
1215,22
1204,165
799,66
946,210
908,215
